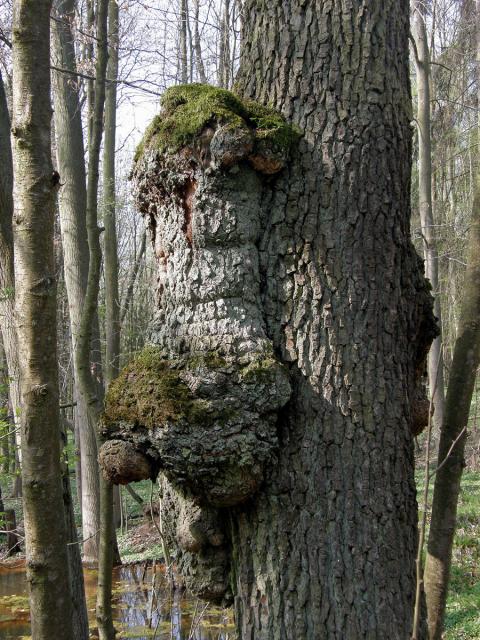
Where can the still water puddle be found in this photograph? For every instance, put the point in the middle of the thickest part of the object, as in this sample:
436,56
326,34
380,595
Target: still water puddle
145,607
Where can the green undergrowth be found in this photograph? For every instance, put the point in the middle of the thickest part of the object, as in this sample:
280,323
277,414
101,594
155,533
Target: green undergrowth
129,553
188,109
463,606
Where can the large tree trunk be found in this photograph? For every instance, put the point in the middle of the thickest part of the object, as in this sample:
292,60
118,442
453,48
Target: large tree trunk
35,187
71,165
338,517
461,384
7,283
287,278
422,65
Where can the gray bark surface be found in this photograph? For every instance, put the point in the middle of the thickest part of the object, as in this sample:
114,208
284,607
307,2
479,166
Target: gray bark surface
72,207
7,281
307,259
422,64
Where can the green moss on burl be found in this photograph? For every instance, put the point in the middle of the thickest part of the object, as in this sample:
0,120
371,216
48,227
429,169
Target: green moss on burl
188,109
150,392
209,359
261,371
147,392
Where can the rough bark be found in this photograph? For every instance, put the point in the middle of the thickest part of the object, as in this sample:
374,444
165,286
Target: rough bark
279,273
357,330
35,189
422,66
7,282
461,384
71,165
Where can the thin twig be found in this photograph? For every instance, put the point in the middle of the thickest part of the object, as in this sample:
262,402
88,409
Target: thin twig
449,452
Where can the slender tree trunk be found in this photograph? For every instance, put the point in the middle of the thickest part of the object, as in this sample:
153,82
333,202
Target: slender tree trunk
5,421
112,303
7,283
70,154
197,43
183,57
461,384
69,145
112,326
133,277
2,511
77,585
224,51
35,189
87,384
422,65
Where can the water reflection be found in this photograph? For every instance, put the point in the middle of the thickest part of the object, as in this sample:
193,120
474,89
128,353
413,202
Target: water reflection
145,607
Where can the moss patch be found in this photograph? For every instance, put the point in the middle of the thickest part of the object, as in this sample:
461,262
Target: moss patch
150,392
188,109
261,371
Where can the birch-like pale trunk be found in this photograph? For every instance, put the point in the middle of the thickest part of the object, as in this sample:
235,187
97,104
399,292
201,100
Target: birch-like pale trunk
35,187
